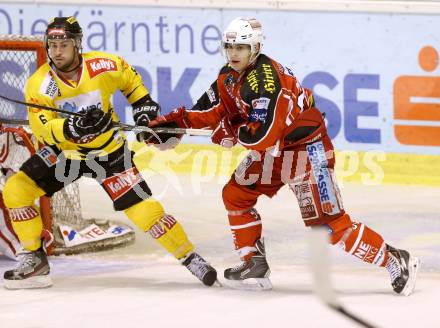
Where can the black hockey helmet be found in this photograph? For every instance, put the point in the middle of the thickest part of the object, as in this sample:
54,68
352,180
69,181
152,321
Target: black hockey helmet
64,28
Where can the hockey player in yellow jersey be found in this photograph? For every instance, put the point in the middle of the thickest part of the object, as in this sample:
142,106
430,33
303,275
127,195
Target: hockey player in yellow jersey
89,144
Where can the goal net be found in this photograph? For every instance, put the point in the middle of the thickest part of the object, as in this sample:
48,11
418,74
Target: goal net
19,58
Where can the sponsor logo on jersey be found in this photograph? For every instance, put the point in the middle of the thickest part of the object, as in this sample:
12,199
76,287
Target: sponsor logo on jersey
83,101
261,103
49,86
268,79
259,110
258,115
303,193
97,66
252,80
22,214
322,178
121,183
48,156
246,163
366,252
165,223
211,95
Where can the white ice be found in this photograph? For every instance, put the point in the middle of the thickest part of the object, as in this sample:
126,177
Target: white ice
142,286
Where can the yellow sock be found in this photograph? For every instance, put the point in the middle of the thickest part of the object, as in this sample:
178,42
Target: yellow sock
149,216
19,195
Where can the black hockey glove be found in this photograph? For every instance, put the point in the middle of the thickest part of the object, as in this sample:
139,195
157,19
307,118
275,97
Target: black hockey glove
85,129
144,111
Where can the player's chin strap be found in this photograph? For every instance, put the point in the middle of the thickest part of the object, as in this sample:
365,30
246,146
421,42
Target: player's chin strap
122,126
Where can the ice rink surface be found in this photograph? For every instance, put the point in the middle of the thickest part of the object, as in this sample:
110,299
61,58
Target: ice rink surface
142,286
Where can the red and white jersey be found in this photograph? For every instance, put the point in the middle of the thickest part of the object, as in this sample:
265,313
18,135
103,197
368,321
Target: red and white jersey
265,103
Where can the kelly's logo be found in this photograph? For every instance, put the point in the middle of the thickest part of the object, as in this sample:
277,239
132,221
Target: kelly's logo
121,183
97,66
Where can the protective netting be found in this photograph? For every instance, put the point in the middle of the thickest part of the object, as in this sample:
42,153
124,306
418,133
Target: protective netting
19,58
15,68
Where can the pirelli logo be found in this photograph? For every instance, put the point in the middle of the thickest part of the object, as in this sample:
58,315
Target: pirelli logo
165,223
97,66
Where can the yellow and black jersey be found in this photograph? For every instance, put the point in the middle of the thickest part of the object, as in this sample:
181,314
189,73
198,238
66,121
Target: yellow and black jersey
100,75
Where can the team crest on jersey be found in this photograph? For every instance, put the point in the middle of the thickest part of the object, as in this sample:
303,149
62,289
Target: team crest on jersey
229,84
97,66
49,86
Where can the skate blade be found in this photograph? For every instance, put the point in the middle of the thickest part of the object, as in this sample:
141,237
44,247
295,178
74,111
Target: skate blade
28,283
256,284
413,268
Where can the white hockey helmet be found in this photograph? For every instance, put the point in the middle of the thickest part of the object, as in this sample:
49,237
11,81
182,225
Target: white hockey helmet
244,31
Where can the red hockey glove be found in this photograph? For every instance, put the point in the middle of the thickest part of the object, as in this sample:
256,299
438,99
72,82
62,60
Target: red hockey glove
175,119
225,134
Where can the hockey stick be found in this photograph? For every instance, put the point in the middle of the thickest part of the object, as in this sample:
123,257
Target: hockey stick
57,110
320,265
13,121
122,126
136,128
128,127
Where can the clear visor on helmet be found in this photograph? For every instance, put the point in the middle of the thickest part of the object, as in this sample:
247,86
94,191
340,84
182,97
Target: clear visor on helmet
55,35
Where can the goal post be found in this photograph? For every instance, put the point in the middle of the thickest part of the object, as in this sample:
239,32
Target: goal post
20,56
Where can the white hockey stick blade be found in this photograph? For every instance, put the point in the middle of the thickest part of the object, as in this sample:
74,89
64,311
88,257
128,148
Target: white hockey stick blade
321,270
320,265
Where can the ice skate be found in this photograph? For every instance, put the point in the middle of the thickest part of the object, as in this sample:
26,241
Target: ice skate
403,270
32,272
200,268
252,274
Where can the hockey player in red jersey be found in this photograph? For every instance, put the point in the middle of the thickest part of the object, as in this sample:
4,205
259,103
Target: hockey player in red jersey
258,103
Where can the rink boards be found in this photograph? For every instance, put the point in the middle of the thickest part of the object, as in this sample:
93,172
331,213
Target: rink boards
210,162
